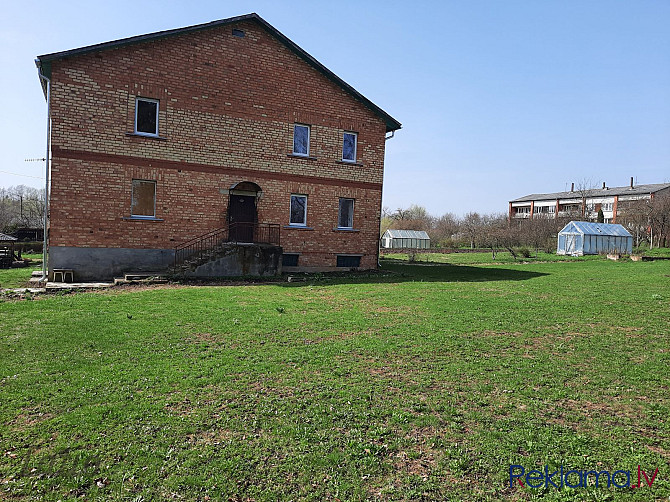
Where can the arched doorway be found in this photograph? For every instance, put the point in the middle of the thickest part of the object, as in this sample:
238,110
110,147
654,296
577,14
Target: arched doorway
242,211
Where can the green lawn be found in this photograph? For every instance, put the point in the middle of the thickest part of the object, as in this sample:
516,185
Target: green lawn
19,277
423,385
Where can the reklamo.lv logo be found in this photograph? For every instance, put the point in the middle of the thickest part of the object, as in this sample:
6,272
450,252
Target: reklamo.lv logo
574,478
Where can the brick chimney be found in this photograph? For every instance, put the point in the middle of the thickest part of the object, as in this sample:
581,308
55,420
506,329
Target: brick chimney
604,186
631,182
572,189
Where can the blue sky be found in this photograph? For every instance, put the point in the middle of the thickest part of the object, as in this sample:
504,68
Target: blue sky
498,99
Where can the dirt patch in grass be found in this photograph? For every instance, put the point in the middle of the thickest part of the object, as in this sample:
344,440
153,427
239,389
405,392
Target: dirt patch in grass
29,418
203,337
659,451
582,415
495,334
213,437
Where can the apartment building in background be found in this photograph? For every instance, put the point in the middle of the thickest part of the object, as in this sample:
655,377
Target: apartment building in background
584,204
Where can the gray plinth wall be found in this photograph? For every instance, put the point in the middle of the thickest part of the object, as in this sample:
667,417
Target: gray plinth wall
234,260
103,264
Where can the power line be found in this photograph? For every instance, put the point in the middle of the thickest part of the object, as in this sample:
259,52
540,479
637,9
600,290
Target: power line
24,175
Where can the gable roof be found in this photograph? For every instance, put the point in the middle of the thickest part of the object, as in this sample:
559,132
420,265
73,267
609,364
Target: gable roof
596,192
44,62
407,234
589,228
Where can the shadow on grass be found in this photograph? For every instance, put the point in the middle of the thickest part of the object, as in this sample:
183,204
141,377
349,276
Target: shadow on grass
388,273
404,272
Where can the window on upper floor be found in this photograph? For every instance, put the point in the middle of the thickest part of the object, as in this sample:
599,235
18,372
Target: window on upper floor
143,199
349,143
146,116
345,218
301,140
298,210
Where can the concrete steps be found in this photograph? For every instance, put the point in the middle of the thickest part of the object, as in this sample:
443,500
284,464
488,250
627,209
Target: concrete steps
35,278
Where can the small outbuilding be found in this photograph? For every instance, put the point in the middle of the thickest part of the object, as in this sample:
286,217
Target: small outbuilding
405,239
6,250
582,237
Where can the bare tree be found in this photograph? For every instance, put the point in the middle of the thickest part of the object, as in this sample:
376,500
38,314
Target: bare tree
634,215
659,219
414,218
585,188
471,225
21,206
444,230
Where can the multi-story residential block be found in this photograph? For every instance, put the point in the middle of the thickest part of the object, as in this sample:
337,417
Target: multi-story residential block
586,203
225,129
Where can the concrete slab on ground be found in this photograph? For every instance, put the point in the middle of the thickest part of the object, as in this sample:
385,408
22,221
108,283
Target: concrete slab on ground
77,285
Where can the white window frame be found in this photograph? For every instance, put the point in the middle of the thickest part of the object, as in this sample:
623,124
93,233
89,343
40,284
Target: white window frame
132,197
309,138
339,209
355,135
290,211
158,106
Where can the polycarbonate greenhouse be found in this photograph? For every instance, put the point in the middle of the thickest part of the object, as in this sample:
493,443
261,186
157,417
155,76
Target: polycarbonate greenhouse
582,237
405,239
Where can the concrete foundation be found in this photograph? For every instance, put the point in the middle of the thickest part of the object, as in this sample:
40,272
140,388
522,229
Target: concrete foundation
90,264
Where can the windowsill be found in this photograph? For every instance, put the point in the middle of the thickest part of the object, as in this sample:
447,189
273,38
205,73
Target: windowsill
305,157
349,163
141,218
338,229
298,227
147,136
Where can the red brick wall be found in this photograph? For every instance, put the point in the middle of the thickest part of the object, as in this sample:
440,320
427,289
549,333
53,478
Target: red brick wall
227,109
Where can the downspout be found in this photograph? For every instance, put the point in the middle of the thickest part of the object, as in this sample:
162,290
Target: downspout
381,207
45,268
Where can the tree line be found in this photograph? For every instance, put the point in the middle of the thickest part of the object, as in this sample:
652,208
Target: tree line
647,220
21,207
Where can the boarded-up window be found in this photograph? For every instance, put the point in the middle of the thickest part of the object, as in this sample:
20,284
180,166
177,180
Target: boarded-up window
143,202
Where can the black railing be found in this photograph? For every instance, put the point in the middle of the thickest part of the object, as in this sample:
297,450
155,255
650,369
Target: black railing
258,233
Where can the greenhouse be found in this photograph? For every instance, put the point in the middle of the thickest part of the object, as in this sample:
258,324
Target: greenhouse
582,237
405,239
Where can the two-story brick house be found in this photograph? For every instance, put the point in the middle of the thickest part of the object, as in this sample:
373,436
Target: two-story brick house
161,138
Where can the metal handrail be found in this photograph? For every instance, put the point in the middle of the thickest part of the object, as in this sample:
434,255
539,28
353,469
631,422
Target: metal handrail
257,233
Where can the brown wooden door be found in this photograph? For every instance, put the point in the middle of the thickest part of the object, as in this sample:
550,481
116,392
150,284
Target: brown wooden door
242,215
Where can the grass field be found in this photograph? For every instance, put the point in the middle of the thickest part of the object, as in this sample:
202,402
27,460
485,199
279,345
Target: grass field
19,277
423,385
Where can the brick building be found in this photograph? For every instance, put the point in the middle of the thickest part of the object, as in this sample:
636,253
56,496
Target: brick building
161,138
